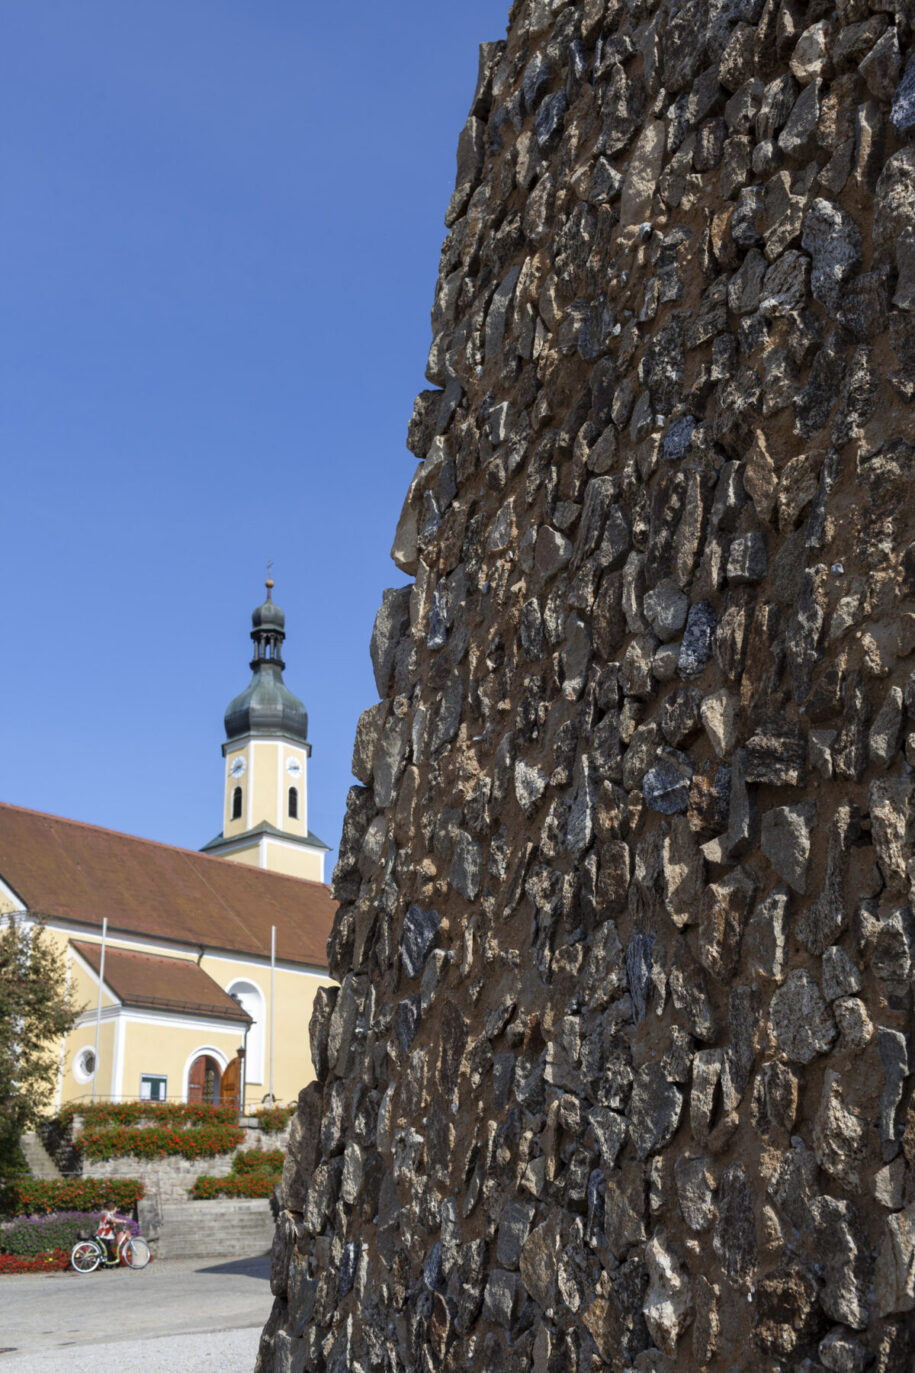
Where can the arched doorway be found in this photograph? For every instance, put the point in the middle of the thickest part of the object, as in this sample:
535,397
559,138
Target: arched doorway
204,1080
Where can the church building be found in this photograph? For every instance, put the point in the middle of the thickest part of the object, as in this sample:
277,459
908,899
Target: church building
179,958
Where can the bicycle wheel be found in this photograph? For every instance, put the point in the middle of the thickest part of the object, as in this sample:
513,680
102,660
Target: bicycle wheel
85,1256
136,1253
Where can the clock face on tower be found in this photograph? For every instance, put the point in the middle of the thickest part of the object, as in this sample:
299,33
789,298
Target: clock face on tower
238,767
293,767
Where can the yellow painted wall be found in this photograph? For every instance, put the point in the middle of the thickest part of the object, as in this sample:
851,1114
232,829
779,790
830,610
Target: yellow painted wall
157,1047
299,780
278,857
164,1049
295,862
265,758
80,1038
265,787
232,827
295,993
293,1068
8,903
84,986
250,856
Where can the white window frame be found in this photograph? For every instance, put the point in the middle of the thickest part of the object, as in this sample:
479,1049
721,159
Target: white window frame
256,1055
80,1072
154,1077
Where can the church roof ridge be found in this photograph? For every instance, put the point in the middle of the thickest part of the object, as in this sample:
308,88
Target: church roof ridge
75,871
161,843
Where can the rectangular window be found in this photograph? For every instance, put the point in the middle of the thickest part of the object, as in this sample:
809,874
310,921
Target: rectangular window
152,1087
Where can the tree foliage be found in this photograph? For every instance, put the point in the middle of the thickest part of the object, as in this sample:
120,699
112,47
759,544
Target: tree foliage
34,1012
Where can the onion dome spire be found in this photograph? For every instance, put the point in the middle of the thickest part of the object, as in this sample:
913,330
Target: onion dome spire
267,706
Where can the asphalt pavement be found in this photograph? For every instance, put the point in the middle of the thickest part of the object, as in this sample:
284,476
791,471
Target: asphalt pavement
177,1315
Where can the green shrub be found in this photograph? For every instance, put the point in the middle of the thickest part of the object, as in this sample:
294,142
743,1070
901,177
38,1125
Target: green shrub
272,1119
258,1161
32,1196
244,1185
156,1141
174,1113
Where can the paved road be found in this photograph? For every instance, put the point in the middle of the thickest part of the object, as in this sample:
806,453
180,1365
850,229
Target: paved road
229,1351
64,1321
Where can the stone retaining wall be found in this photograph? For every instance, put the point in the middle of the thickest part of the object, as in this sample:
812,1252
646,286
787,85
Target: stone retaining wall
619,1073
224,1227
169,1179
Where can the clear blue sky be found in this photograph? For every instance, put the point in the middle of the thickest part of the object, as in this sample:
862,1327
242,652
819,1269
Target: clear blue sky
218,247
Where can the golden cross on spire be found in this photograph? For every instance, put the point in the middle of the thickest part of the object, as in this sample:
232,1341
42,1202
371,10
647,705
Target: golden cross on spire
269,582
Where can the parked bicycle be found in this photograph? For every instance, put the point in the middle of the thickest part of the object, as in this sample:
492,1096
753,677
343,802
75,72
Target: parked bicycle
88,1254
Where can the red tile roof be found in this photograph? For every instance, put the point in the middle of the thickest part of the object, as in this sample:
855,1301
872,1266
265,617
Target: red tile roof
157,982
79,872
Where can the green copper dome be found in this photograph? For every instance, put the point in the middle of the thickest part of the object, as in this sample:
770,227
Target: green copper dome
267,706
269,616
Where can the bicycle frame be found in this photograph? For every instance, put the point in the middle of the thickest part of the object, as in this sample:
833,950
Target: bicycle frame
99,1248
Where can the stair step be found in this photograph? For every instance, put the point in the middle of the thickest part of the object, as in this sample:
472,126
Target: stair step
40,1164
210,1229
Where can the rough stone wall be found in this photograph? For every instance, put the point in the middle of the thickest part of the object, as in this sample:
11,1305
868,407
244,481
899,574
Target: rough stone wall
618,1076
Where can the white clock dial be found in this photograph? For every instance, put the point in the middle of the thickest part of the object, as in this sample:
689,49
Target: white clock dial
238,767
293,767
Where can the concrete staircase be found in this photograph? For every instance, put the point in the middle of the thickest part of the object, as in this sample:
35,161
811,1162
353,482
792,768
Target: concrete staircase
40,1163
221,1229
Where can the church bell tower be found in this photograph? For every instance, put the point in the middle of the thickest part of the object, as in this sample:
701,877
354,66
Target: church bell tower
265,805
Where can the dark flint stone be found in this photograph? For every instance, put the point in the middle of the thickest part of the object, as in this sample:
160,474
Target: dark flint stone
902,114
680,717
735,1235
452,1044
408,1018
501,1297
346,1274
698,637
537,76
627,1324
678,439
894,1056
579,60
472,1282
662,365
689,992
654,1111
433,1276
514,1228
549,121
638,969
420,928
666,786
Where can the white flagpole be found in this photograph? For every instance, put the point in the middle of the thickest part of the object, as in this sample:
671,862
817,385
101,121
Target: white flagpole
272,1000
98,1013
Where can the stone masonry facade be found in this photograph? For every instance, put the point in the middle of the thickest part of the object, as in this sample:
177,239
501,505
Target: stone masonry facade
619,1074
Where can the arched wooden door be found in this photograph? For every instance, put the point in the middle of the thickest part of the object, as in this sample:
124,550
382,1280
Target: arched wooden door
230,1087
204,1081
